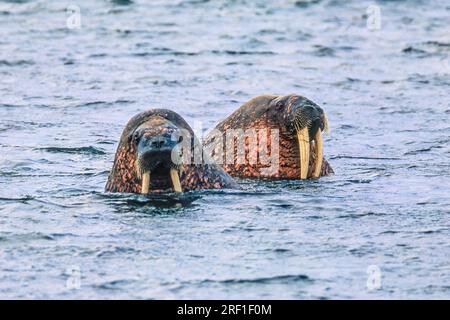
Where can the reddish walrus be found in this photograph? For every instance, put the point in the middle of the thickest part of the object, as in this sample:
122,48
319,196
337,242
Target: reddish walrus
156,154
272,136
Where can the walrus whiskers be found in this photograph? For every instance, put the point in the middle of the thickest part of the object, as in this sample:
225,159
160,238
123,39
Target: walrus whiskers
301,120
175,180
303,149
145,182
319,154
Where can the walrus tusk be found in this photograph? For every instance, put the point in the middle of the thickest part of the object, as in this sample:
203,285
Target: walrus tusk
319,154
326,126
303,147
145,182
175,180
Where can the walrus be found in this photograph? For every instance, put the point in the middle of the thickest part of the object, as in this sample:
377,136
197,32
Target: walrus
156,154
287,130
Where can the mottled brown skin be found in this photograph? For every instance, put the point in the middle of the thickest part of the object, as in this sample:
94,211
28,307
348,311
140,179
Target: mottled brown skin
125,178
275,112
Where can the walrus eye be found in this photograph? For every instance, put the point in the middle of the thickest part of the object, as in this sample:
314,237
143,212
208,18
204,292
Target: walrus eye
279,104
135,137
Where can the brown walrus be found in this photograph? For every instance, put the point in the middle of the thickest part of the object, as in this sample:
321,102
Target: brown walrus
156,154
266,125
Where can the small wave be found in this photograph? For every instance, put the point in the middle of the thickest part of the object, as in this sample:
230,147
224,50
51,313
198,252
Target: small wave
242,52
115,284
186,3
98,55
122,2
244,193
361,158
17,63
168,83
5,105
411,49
423,231
438,44
117,251
269,32
21,199
162,200
75,150
390,232
283,205
164,51
428,48
24,237
361,215
322,51
264,280
423,150
103,103
360,252
278,250
245,228
306,3
359,180
242,63
432,231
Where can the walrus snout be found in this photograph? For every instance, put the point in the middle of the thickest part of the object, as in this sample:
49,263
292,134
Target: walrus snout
306,120
156,144
155,153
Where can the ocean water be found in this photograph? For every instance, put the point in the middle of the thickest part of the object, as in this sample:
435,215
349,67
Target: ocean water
378,228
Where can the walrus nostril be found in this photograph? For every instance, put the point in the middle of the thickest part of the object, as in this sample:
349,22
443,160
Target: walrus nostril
157,143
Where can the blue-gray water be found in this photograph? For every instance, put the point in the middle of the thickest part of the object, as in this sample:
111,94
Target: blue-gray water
65,95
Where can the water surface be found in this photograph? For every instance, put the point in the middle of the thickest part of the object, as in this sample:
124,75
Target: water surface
65,95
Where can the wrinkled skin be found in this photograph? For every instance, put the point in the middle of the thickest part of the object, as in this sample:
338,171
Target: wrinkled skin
285,113
148,137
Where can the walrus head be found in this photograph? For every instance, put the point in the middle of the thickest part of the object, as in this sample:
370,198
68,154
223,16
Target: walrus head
146,159
305,120
156,149
155,154
296,152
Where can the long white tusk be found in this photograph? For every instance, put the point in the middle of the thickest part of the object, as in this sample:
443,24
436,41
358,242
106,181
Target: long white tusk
145,182
175,180
303,148
319,154
326,125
